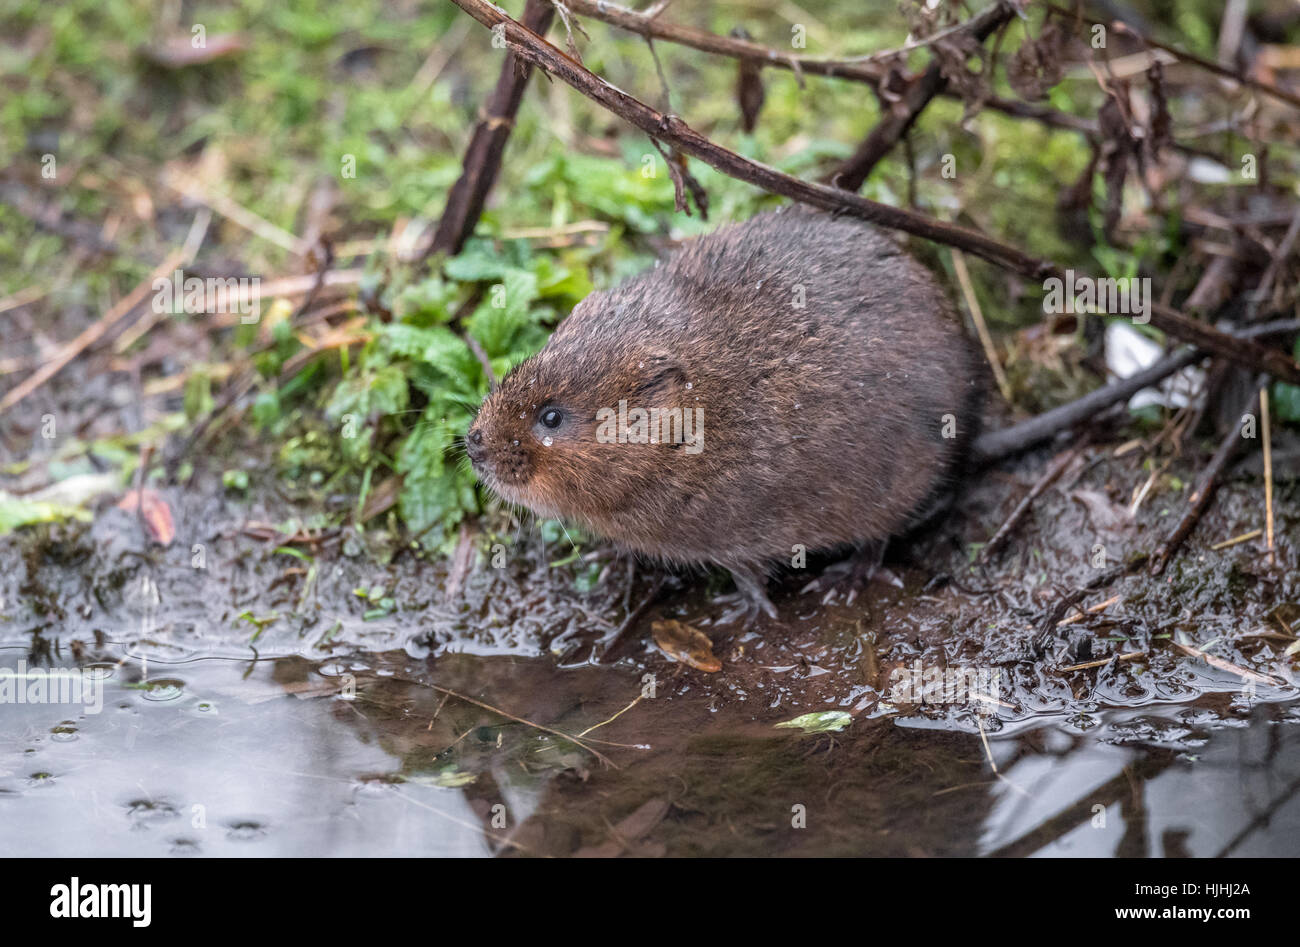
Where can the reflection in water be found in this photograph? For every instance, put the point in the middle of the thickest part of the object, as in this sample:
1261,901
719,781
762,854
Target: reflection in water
363,757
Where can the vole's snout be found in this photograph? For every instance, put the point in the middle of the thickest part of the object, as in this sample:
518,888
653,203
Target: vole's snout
474,446
500,460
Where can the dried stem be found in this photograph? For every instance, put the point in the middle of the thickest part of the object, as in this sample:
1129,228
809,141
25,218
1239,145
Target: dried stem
1205,487
920,91
488,143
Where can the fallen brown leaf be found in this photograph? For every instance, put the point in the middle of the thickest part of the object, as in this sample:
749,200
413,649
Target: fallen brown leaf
681,642
155,512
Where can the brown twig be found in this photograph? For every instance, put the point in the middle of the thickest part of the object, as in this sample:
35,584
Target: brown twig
893,125
462,560
1222,665
920,91
646,25
613,644
234,212
1102,662
671,129
488,143
995,445
1266,433
1278,262
1050,476
91,333
1205,487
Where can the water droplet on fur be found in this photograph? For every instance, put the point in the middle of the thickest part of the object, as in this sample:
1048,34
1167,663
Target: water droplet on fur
690,385
640,364
515,443
547,441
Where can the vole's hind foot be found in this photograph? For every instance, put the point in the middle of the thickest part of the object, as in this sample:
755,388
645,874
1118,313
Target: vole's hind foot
749,599
843,581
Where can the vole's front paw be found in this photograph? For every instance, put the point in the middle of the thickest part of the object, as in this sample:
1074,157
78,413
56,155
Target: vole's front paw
748,601
744,610
843,581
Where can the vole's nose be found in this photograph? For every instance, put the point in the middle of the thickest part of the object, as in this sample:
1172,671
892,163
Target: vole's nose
474,445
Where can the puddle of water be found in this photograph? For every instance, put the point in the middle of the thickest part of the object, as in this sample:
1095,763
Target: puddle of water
223,761
358,757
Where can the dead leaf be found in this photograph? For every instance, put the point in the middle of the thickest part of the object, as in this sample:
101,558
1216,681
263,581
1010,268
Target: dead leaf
681,642
1039,63
1105,515
155,512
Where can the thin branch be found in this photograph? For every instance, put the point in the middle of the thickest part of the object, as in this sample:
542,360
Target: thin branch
1050,476
995,445
649,26
488,143
938,35
509,716
920,92
1206,484
92,333
981,329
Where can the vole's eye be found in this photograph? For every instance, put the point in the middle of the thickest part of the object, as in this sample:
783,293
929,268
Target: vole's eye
552,418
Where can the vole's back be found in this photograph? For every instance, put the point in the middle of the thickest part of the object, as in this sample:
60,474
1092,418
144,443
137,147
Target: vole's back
836,384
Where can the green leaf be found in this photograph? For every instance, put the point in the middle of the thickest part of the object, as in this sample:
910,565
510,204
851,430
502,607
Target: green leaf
614,191
480,262
16,512
504,323
436,501
438,347
388,390
433,492
427,302
383,391
266,410
556,280
198,395
823,721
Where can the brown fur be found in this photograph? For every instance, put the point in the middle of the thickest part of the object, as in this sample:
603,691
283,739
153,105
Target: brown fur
822,425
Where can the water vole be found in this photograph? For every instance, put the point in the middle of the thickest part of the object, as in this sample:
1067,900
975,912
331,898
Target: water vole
803,383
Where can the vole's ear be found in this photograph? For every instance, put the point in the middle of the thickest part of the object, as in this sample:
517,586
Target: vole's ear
660,380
